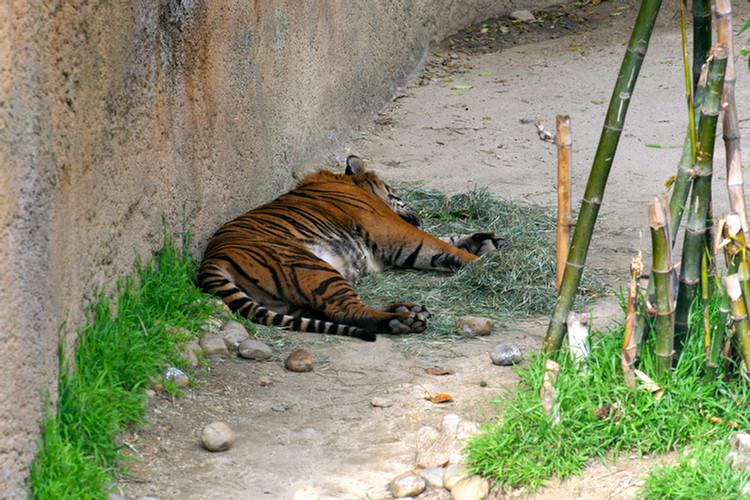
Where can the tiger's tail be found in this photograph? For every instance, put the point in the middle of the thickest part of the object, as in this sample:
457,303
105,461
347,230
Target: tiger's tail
239,301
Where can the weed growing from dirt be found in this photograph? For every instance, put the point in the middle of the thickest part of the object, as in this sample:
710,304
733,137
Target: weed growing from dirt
525,447
101,388
515,282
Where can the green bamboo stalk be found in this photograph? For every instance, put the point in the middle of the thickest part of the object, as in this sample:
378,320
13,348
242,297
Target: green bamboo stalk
658,221
739,315
592,199
697,223
688,84
684,178
701,36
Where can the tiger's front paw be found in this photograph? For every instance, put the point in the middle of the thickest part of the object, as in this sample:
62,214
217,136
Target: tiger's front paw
477,243
408,318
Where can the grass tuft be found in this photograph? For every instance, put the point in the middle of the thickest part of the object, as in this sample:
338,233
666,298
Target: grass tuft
524,448
515,282
101,388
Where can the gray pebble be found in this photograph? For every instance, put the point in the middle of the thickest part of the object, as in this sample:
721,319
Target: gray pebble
254,349
453,474
506,353
381,402
522,15
217,436
233,332
433,476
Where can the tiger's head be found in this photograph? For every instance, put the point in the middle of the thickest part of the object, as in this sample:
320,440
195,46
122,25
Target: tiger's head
369,181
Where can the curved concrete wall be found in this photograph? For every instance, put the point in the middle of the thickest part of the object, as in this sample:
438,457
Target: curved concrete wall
116,114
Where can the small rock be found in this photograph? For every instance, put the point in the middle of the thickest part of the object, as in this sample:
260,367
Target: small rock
254,349
176,376
217,437
308,433
433,476
233,332
740,442
213,344
299,361
453,474
306,493
265,382
115,496
474,325
448,446
506,353
210,324
280,407
523,15
470,488
406,485
381,402
190,353
150,393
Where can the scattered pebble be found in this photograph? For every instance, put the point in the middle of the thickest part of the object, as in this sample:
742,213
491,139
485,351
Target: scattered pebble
448,446
280,407
470,488
482,383
190,353
453,474
739,455
406,485
150,393
176,376
299,361
217,437
523,15
474,325
210,324
254,349
381,402
506,354
306,493
433,476
265,382
233,332
213,344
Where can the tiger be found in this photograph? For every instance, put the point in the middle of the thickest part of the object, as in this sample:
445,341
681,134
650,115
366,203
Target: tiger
293,262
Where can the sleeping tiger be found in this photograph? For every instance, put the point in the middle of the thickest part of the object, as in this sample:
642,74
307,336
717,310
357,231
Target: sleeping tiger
293,262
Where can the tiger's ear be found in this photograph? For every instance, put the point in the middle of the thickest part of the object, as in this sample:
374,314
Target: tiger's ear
354,166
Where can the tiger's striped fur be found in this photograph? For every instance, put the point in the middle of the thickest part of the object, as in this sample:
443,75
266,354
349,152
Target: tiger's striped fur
292,262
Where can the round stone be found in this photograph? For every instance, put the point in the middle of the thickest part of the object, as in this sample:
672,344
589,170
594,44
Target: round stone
217,436
470,488
299,361
306,493
506,353
433,476
474,325
213,344
254,349
233,332
453,474
176,376
407,484
381,402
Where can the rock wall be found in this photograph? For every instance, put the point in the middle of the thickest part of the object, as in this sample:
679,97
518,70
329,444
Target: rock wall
116,116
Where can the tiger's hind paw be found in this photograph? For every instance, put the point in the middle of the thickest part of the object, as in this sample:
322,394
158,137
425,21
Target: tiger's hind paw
410,318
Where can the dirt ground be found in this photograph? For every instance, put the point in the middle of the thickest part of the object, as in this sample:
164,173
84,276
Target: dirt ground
466,122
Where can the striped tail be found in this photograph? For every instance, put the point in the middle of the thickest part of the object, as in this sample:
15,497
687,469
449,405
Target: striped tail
238,301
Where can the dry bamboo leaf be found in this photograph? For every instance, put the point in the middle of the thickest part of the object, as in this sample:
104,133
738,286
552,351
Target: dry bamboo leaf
649,384
435,398
438,371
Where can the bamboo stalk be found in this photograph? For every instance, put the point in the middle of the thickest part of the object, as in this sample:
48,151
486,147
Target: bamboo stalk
563,141
605,153
685,171
688,84
739,315
627,360
731,127
658,221
701,36
697,224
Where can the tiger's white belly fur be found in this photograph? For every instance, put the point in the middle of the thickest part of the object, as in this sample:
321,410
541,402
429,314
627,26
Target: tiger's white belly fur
352,258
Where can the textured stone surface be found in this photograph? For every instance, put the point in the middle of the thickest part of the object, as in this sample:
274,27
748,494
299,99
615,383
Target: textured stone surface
112,118
217,436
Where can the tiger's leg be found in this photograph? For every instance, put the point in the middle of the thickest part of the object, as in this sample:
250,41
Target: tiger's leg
477,243
292,278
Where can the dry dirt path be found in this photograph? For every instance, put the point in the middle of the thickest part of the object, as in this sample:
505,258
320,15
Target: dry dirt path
318,429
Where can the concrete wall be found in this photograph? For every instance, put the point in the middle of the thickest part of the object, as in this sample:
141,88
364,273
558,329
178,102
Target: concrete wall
114,114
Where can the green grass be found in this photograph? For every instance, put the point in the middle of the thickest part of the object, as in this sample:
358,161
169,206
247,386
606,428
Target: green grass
701,474
515,282
101,388
525,448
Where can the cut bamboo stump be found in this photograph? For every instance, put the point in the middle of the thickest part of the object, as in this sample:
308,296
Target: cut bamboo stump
564,223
